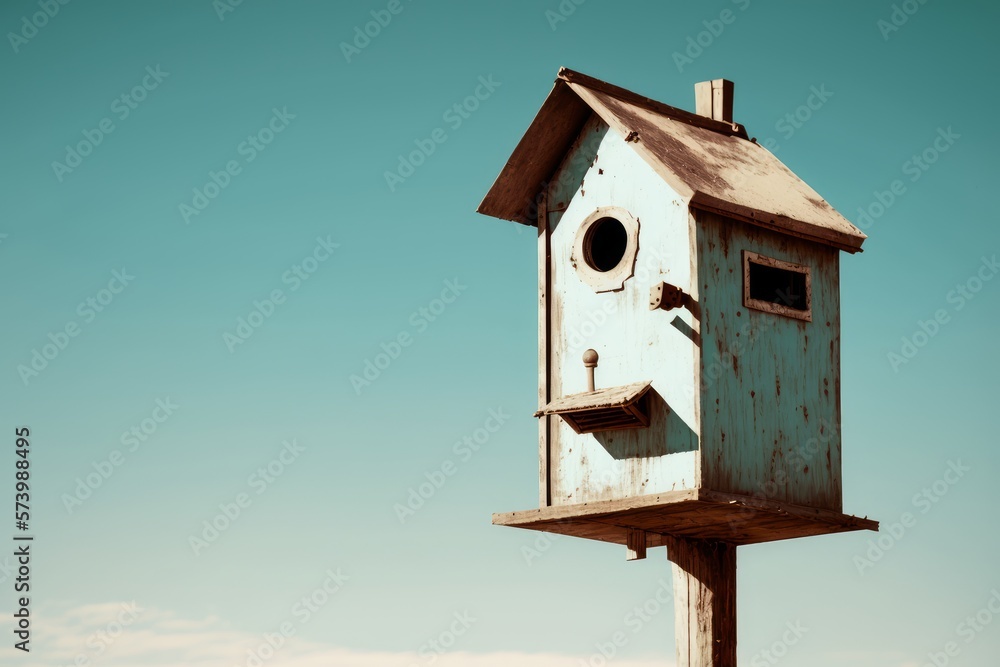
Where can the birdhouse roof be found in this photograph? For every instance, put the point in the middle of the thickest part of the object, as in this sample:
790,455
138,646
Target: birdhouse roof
711,163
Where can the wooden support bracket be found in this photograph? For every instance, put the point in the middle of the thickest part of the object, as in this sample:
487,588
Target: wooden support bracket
636,544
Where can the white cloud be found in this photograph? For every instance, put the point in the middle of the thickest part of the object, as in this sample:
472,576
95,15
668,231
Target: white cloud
123,635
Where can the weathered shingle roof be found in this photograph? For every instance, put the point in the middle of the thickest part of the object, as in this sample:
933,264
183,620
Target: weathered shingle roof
711,163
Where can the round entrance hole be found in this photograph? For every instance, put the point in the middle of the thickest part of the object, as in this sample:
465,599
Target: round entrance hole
605,244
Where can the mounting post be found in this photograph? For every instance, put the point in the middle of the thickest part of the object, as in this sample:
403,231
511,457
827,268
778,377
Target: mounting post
704,601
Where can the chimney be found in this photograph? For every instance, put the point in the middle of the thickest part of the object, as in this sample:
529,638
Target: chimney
714,99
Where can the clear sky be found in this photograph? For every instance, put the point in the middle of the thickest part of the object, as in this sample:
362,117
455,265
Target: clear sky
173,168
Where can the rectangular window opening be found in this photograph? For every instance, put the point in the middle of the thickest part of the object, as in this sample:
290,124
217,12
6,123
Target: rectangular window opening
778,287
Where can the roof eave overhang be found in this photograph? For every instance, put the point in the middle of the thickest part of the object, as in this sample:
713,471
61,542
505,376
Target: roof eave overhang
555,127
780,223
514,195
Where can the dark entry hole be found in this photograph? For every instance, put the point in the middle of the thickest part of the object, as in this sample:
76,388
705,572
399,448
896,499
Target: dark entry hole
781,286
605,244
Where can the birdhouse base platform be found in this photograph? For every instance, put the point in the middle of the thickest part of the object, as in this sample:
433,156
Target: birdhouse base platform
692,514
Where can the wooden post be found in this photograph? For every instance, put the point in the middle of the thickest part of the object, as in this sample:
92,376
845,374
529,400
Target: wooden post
704,601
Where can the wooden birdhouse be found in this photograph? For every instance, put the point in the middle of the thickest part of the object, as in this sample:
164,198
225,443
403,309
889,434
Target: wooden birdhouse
689,327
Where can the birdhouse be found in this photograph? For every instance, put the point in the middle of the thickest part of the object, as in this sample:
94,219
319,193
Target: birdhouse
689,324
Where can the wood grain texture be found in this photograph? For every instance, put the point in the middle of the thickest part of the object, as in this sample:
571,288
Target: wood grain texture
634,344
536,156
635,542
601,398
768,306
770,383
544,347
697,514
704,573
710,163
726,171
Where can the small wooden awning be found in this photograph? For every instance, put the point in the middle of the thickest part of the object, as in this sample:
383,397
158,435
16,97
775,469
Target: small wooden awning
603,410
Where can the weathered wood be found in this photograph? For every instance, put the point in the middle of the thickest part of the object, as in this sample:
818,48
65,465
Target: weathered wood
767,306
709,162
704,601
600,172
601,398
693,513
722,100
770,396
714,99
703,165
740,417
605,409
775,221
703,98
635,541
538,153
544,348
674,113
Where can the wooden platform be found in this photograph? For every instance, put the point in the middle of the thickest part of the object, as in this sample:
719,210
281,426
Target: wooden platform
698,514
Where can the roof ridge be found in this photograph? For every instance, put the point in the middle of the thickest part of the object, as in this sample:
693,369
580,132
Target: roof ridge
708,162
722,127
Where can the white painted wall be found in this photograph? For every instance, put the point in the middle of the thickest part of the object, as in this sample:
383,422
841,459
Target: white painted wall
634,343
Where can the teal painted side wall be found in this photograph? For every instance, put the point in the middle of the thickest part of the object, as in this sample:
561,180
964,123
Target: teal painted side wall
770,384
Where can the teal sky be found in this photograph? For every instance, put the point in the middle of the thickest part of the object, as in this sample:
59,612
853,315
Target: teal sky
356,261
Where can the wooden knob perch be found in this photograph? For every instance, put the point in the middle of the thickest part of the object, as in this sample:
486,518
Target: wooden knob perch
590,363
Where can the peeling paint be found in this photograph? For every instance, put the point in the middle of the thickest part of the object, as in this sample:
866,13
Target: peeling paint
749,437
